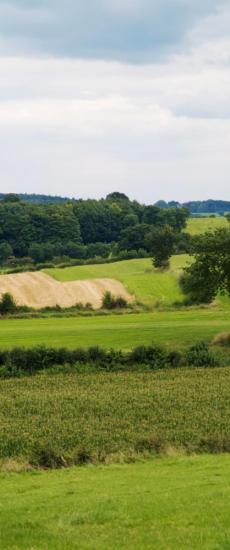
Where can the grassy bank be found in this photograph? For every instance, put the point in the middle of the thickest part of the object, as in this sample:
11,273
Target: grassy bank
145,283
171,328
170,503
112,413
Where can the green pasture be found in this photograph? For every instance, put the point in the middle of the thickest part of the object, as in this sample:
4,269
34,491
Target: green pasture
173,328
147,284
113,413
165,504
196,226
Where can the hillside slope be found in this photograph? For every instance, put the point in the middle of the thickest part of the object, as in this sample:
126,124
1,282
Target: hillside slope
39,290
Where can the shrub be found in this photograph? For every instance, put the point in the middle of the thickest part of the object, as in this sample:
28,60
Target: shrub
82,456
7,304
200,355
45,456
154,356
215,443
222,339
110,302
153,444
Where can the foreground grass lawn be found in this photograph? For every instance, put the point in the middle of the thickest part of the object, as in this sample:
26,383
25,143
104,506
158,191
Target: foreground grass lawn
165,504
107,413
172,328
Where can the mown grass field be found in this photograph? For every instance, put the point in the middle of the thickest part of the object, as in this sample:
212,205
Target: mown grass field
113,412
139,277
175,329
165,504
149,286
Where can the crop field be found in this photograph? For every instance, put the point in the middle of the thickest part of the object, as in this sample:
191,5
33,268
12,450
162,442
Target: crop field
169,503
114,412
196,226
175,329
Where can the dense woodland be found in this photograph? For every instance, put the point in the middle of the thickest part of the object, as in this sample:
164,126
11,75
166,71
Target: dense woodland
199,207
195,207
82,229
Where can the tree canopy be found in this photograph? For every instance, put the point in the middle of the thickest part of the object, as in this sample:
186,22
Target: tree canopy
210,272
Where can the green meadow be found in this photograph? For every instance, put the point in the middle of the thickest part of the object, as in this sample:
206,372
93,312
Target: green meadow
196,226
147,284
169,503
177,328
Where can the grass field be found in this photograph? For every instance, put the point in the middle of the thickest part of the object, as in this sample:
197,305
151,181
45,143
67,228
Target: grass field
112,412
165,504
172,328
147,284
196,226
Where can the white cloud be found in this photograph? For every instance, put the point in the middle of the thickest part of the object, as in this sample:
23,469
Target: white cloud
83,128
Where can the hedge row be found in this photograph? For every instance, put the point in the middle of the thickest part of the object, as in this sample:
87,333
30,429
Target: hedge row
29,361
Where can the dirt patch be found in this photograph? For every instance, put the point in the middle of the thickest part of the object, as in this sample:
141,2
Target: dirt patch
39,290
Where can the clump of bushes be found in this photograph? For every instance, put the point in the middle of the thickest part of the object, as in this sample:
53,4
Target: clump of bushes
20,361
215,443
111,302
200,355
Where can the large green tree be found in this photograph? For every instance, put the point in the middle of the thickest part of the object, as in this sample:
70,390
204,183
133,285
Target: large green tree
210,272
160,242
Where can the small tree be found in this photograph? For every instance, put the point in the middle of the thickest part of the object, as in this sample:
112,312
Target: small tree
7,304
160,242
5,251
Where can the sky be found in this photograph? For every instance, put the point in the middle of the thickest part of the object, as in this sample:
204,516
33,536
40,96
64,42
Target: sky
115,95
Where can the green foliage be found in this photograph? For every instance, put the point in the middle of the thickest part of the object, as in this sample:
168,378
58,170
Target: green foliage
111,302
160,242
29,361
5,251
200,355
7,304
47,230
210,273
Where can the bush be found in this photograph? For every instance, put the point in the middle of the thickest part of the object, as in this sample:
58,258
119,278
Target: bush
110,302
152,444
20,361
7,304
222,339
200,355
154,356
45,456
215,443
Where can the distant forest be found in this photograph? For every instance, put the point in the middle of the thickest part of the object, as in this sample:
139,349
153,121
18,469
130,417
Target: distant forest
58,230
195,207
199,207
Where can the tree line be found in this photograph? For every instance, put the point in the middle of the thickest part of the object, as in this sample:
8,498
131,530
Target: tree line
84,229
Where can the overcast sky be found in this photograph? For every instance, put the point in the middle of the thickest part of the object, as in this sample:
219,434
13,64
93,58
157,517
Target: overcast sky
125,95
